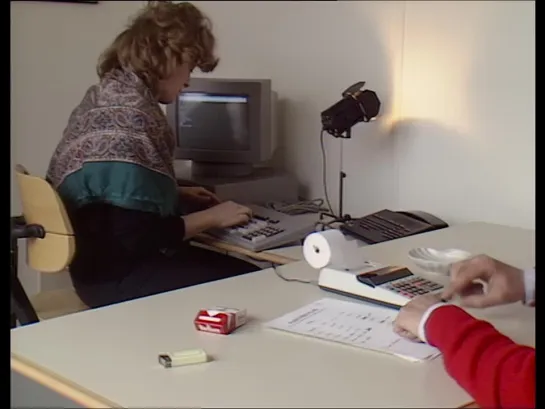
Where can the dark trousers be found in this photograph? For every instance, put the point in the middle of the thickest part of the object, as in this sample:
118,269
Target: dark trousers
164,273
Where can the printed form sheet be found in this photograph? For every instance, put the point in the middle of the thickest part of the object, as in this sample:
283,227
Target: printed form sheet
360,325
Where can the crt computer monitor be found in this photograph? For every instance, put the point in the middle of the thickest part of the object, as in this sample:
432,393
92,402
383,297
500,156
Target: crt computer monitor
224,126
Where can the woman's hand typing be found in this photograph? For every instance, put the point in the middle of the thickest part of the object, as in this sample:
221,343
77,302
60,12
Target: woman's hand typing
229,214
223,215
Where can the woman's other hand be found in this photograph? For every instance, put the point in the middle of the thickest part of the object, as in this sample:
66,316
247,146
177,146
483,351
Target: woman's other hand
198,195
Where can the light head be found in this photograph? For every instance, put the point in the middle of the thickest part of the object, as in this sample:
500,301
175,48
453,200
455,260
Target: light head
357,105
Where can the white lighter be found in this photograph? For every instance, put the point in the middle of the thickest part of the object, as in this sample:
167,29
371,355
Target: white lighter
182,358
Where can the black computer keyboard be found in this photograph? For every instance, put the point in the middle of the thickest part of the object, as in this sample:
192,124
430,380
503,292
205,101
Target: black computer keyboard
383,226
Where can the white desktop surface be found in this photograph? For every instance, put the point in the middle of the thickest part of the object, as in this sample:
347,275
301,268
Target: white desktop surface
113,351
293,252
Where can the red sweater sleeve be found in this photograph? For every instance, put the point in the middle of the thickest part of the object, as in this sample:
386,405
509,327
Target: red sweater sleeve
494,370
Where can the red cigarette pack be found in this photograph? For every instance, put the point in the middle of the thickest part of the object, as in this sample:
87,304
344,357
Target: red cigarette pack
220,320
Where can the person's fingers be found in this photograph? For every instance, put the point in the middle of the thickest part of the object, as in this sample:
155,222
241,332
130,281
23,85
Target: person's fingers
242,218
461,279
405,334
412,337
245,210
481,301
472,289
456,267
449,292
211,195
205,193
399,330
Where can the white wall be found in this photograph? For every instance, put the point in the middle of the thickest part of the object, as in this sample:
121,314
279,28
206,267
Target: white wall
458,77
466,139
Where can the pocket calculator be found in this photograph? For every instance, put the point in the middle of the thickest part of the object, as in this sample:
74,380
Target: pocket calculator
391,286
397,283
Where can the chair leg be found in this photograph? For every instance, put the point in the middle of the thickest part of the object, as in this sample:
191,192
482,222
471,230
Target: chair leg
21,307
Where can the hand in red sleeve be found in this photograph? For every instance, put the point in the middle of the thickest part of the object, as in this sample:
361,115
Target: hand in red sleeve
410,317
494,370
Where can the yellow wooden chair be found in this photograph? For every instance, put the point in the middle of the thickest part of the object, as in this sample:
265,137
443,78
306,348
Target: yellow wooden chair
51,245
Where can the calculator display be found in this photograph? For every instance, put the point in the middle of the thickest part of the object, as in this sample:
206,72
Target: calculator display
384,275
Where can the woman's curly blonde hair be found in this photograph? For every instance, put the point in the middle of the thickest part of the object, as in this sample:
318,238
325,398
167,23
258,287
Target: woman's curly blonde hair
159,39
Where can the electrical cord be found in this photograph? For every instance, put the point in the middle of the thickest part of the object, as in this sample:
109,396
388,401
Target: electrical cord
291,280
315,205
322,225
303,207
324,171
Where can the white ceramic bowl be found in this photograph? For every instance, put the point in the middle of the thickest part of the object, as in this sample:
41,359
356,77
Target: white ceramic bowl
437,261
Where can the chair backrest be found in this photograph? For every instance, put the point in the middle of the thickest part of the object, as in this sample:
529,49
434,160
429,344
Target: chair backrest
42,205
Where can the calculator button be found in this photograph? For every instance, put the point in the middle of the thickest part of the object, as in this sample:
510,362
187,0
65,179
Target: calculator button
426,290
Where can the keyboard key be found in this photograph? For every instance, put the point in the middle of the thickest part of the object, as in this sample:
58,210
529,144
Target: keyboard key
258,238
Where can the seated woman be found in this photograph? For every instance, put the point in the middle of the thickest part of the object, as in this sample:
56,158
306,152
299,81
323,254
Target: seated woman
113,167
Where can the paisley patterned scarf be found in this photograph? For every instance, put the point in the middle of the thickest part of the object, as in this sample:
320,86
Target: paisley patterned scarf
117,149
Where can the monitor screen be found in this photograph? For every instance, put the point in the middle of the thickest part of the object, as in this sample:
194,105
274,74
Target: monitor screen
213,121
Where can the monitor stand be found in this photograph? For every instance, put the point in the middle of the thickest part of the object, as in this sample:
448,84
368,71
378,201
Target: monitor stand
220,170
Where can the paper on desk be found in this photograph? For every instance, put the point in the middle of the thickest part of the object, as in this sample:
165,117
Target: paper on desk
360,325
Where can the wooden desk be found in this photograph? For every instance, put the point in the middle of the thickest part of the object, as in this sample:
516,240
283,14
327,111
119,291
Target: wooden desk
108,357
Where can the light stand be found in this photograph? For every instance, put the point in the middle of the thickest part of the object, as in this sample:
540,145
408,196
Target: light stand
357,105
342,174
